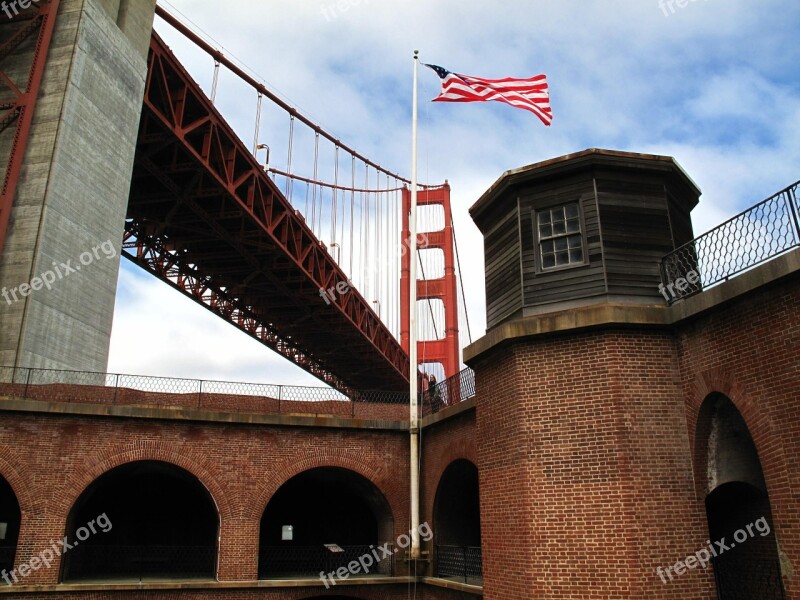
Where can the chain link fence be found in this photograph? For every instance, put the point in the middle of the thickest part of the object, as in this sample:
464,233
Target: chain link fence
52,385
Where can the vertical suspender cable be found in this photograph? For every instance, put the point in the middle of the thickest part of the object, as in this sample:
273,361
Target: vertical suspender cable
258,123
314,192
352,208
289,185
214,82
333,196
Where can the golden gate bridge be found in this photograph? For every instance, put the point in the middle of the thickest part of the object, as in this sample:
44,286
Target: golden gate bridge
245,238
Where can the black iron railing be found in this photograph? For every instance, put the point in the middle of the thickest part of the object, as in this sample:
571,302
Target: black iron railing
752,237
463,563
290,562
7,554
140,562
744,579
449,392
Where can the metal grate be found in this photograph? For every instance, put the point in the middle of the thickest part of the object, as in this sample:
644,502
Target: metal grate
745,579
288,562
7,554
752,237
463,563
140,562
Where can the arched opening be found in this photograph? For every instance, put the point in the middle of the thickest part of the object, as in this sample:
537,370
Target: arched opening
10,518
322,520
457,523
142,520
741,533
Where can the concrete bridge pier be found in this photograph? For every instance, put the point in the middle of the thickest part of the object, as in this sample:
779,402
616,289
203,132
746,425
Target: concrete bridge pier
60,261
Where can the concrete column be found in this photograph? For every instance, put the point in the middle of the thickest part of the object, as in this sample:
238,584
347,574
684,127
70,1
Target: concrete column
70,206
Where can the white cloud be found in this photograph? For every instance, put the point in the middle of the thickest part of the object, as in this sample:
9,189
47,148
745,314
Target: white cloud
714,84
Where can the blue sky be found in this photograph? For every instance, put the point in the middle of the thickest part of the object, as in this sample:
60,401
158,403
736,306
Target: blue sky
714,83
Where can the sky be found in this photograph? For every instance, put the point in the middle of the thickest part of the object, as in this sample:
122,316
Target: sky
713,83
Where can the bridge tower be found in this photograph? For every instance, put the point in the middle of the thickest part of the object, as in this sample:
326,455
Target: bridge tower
444,351
72,75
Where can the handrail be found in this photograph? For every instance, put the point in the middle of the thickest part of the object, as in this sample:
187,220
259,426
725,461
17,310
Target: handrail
744,241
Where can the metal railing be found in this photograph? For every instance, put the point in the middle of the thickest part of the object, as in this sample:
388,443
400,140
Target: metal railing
139,562
7,554
292,562
449,392
54,385
752,237
463,563
746,578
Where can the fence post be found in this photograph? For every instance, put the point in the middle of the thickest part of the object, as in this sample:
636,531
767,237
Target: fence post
793,209
280,393
200,395
116,389
27,383
464,552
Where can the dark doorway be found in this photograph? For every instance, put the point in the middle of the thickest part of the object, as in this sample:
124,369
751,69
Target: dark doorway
321,520
738,510
10,518
457,523
143,520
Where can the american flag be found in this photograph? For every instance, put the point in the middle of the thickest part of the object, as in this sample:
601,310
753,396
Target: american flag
531,94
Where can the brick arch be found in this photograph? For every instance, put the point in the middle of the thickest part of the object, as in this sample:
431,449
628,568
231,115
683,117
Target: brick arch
107,461
455,450
284,472
762,430
21,490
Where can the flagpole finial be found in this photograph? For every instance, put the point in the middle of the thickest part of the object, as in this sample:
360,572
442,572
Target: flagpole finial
416,54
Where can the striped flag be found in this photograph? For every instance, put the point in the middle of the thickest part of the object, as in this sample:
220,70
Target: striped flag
531,94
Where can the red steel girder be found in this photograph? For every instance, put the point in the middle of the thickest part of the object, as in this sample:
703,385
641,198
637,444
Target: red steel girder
205,217
18,105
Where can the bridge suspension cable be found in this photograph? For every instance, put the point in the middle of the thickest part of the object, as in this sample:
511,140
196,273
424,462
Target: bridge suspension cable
363,234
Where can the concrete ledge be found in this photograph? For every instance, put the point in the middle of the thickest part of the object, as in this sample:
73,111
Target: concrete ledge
11,404
598,315
453,585
65,588
448,413
604,314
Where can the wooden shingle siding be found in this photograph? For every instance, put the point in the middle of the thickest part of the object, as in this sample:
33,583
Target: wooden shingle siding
636,234
503,283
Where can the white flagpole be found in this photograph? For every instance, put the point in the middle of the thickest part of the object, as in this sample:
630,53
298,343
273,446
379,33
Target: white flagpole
412,332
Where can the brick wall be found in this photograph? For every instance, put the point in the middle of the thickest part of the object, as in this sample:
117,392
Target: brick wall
591,476
50,460
748,352
585,469
442,444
